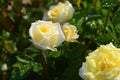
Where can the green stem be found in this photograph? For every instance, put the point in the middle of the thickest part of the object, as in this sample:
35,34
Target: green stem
107,18
44,64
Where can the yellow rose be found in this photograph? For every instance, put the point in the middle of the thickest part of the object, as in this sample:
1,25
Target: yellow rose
70,32
60,13
46,35
102,64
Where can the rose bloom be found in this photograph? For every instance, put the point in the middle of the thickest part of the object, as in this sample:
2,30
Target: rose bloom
102,64
61,12
46,35
70,32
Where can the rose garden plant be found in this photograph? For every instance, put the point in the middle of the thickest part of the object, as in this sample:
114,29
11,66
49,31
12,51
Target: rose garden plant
59,39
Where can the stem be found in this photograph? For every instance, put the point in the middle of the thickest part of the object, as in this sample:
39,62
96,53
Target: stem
44,64
107,18
88,44
4,75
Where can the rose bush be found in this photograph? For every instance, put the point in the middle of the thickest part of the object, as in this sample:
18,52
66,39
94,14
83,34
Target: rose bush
98,22
60,13
46,35
70,32
102,64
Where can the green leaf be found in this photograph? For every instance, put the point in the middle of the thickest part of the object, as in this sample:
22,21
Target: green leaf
2,3
116,18
85,4
24,58
9,46
55,54
109,3
37,67
20,72
5,34
103,39
79,15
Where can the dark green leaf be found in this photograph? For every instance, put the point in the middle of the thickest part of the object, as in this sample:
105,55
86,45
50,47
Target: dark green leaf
20,72
2,3
109,3
116,18
103,39
22,44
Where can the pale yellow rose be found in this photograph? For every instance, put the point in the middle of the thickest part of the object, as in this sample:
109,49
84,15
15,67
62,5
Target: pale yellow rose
61,12
46,35
70,32
102,64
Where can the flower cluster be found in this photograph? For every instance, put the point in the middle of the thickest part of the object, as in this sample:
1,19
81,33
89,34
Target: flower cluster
54,28
102,64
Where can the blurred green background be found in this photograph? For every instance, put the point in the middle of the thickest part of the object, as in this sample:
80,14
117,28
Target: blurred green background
98,22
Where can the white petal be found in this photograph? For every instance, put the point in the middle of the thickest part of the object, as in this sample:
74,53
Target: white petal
83,71
61,35
70,6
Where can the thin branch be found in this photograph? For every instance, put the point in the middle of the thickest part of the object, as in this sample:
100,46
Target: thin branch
45,67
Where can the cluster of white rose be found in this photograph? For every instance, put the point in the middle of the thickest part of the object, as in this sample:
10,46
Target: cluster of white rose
101,64
54,28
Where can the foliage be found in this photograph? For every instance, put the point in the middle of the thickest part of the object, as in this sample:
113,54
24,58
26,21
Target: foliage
98,22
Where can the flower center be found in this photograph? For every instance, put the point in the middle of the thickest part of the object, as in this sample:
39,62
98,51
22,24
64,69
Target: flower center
55,11
66,28
44,29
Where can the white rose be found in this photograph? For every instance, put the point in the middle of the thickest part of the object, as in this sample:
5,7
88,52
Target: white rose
70,32
60,13
46,35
